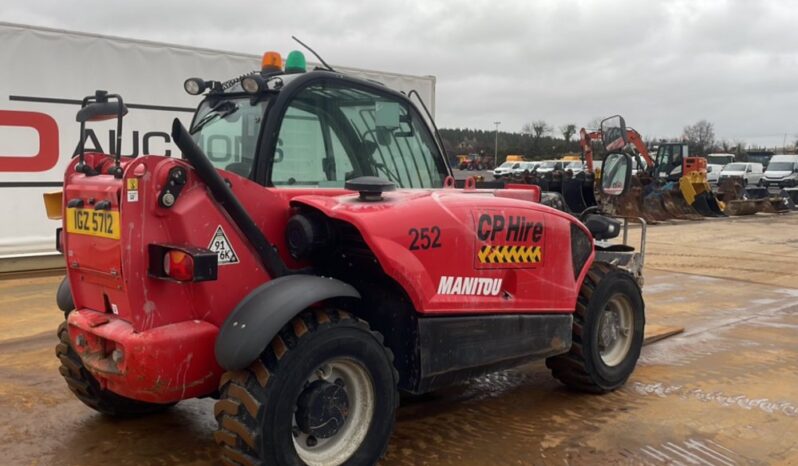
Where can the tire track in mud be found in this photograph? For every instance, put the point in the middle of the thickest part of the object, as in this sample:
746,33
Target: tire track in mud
525,420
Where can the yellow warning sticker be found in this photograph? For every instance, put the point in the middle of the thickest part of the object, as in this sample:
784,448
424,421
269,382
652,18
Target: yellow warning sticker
132,184
510,254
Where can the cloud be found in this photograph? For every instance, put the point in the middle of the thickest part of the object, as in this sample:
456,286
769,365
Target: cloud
662,64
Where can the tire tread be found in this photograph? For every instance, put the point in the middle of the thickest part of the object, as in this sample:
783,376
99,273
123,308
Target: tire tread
238,387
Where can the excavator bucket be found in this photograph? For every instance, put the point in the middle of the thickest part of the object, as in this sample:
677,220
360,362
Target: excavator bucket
698,194
634,203
791,193
654,206
733,194
756,192
742,207
578,191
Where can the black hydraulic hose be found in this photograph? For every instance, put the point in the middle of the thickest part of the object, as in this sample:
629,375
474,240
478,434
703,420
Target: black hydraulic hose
225,197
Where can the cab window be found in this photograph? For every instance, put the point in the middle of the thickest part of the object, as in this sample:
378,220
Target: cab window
227,129
330,134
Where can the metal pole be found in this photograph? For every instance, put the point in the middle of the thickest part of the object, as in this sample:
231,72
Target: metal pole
496,146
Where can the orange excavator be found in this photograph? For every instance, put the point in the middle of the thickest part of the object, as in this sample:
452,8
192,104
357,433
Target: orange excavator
674,185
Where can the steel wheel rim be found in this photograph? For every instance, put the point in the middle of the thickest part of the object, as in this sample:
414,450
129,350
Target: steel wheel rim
616,330
359,388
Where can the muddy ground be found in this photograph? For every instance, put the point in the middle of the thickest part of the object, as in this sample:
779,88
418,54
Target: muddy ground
724,392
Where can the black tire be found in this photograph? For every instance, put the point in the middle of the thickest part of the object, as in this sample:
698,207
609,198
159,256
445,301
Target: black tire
583,367
86,388
255,411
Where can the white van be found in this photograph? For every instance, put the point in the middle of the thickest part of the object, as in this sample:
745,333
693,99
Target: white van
715,163
505,169
750,172
548,166
782,171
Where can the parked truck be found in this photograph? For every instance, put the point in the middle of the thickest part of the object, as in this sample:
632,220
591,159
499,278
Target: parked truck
42,92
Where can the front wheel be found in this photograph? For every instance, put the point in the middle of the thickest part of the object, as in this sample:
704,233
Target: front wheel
323,393
607,332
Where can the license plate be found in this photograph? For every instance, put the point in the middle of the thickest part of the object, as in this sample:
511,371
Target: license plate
102,223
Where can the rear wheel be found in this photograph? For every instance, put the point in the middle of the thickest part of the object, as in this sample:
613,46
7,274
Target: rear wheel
607,332
86,388
323,393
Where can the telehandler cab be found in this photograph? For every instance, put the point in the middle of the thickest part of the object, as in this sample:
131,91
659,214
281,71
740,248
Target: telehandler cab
309,256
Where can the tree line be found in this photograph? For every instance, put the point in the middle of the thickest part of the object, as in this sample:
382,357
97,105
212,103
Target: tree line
538,140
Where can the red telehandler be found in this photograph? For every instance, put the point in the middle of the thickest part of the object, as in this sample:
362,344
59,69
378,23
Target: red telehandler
309,257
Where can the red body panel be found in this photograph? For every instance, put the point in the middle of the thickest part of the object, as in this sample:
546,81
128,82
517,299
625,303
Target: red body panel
545,286
166,329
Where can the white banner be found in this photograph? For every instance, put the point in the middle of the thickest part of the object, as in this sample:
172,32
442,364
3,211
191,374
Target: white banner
45,74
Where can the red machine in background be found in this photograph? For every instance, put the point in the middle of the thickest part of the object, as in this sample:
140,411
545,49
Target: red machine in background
672,185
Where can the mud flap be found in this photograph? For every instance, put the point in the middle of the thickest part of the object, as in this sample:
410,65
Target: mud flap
63,297
261,314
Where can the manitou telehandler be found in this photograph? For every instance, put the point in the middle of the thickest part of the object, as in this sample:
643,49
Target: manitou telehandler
309,257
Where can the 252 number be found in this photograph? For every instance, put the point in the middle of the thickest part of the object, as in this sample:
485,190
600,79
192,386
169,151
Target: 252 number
425,238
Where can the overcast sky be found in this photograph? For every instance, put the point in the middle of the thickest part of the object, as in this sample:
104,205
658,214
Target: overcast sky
661,64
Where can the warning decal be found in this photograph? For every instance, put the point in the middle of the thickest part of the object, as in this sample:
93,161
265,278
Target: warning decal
510,254
221,246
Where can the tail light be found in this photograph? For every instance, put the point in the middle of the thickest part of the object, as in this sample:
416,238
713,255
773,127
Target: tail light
182,263
178,265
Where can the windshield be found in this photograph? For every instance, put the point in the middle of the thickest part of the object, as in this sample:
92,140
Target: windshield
734,167
506,165
720,159
780,166
227,129
547,164
574,165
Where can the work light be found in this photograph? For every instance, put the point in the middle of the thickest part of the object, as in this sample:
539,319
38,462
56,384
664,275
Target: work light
194,86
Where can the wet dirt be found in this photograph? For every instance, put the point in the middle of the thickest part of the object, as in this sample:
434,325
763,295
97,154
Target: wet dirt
724,392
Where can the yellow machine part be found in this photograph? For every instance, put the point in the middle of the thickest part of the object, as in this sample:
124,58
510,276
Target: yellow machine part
52,204
693,184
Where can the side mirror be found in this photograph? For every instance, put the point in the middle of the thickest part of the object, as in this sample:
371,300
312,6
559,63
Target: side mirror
98,107
616,174
387,114
102,108
613,133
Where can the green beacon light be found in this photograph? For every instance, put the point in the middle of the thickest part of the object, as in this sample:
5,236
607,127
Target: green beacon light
295,63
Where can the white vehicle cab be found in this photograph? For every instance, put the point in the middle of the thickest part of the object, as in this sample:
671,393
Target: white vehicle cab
750,172
715,163
525,168
782,171
549,166
575,166
505,169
